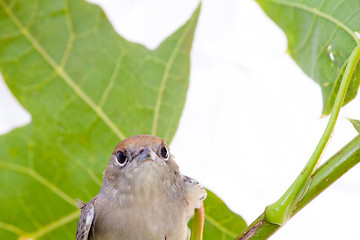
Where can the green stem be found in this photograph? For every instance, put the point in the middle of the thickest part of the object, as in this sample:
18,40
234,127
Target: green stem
198,224
323,177
280,211
331,170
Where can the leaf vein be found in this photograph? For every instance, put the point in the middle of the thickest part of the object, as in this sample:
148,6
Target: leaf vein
351,15
337,6
216,224
55,225
71,38
165,78
36,176
90,172
12,4
99,111
309,33
111,83
34,13
94,29
325,46
12,228
317,12
11,35
28,213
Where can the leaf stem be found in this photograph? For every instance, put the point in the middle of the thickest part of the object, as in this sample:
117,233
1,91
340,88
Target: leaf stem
198,224
331,170
280,211
324,176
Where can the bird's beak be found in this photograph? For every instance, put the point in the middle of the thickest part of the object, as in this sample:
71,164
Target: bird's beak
146,155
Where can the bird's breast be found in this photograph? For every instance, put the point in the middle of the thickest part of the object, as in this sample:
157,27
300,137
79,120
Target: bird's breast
151,206
143,218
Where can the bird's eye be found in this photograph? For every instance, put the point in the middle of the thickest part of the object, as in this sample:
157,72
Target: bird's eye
121,158
164,153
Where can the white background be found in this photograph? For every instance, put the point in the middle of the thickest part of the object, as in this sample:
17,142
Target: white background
252,117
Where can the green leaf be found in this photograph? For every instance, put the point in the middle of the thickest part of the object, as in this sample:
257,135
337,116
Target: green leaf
321,36
356,124
220,221
86,89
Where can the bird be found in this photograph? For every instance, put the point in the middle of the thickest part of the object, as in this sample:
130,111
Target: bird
143,195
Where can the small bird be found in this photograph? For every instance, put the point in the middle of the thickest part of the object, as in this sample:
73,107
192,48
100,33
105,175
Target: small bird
143,196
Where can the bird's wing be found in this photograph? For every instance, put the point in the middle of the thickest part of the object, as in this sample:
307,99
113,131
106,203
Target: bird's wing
85,222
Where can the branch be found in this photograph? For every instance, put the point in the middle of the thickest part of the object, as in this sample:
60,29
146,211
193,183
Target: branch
323,177
198,224
280,211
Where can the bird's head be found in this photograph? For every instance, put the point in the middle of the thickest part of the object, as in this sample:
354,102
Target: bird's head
141,160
